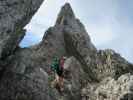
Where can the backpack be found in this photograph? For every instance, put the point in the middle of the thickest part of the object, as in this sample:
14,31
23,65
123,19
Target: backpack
62,63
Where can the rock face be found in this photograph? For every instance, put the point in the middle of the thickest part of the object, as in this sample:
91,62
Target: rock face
14,15
110,89
75,78
24,75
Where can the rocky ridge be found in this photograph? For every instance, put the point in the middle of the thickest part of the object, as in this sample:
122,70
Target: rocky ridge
93,74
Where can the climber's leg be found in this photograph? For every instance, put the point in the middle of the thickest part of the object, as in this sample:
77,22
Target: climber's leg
55,82
61,83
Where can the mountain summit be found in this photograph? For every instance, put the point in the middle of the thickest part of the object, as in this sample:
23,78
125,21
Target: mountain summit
90,74
66,15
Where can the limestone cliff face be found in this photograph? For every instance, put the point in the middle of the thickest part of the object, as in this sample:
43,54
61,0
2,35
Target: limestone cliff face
25,75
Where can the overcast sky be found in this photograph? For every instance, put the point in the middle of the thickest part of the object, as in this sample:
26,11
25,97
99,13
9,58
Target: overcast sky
108,22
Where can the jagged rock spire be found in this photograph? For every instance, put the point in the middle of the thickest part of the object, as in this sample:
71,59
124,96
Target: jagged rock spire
26,74
66,15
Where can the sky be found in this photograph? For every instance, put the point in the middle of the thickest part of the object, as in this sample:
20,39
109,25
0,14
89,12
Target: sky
109,23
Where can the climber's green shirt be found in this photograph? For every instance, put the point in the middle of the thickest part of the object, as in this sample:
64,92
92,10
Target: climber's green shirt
55,64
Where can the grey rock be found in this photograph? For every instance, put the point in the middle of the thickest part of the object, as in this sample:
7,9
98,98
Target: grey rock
14,15
109,63
52,45
75,78
24,79
111,89
89,73
77,40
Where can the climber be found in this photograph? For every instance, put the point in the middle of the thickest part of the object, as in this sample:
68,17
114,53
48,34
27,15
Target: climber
58,67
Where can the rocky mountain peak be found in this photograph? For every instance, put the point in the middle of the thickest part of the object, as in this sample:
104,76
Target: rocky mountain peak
89,74
66,15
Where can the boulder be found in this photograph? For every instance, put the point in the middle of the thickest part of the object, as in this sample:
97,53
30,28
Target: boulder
24,79
110,89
